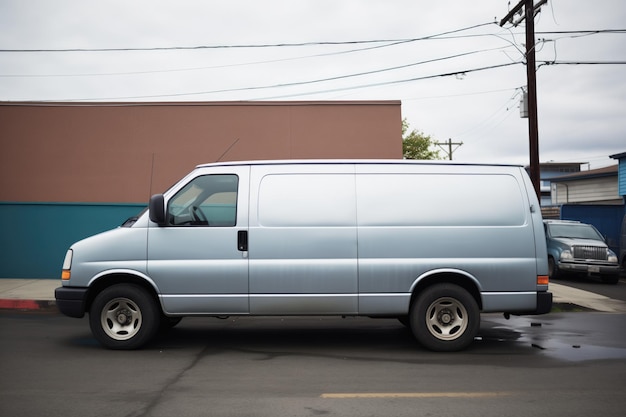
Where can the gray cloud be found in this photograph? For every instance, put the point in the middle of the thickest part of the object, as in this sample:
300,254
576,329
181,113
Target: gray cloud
581,112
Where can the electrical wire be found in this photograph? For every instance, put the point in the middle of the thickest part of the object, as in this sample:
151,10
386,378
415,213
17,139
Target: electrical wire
371,44
440,36
276,45
259,88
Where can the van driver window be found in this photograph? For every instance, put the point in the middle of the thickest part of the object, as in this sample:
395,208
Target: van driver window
208,200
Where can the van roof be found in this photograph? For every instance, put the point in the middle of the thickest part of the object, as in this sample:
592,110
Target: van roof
348,161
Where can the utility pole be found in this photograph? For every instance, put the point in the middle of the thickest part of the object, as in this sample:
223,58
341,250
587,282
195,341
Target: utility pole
531,76
449,143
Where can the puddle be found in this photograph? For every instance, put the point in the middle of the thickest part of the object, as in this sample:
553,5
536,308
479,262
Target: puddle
568,337
578,353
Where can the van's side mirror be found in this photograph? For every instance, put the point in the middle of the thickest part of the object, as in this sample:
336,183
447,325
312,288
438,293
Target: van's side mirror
157,209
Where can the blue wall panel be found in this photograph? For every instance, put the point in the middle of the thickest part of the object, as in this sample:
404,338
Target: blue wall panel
621,177
35,236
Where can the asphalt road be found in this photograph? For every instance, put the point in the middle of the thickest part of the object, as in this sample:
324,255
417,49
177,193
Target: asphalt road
565,364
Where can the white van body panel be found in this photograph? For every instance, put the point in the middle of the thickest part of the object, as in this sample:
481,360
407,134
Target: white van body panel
303,239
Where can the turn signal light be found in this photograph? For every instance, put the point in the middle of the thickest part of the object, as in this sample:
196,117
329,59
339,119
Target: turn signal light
65,275
542,280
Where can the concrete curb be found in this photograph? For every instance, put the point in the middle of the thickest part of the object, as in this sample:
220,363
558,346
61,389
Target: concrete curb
28,305
22,294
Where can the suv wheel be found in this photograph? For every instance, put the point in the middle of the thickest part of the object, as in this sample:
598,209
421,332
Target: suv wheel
553,269
610,279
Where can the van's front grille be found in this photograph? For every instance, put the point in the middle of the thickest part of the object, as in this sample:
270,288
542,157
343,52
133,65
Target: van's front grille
590,252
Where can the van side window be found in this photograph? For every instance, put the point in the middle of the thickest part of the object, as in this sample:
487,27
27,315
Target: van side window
208,200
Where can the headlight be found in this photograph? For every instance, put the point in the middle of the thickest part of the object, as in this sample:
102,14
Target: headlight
67,265
611,256
566,254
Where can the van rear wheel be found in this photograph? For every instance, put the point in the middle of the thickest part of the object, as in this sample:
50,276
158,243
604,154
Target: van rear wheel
124,316
445,318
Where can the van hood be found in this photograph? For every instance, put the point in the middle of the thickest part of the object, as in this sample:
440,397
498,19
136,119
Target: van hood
122,243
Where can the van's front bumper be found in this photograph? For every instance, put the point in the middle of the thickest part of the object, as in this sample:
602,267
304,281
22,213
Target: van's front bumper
71,301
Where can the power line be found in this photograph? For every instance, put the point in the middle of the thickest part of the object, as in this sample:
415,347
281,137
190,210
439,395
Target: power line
371,44
258,88
582,62
494,120
269,61
225,66
275,45
581,32
459,94
391,42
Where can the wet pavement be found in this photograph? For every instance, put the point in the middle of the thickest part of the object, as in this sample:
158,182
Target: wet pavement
570,336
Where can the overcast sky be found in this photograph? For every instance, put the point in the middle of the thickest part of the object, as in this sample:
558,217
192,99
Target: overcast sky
340,50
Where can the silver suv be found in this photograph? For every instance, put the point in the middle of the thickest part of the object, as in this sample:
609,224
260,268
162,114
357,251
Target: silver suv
575,247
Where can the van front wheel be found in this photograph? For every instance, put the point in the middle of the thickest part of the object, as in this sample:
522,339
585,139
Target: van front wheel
445,318
124,316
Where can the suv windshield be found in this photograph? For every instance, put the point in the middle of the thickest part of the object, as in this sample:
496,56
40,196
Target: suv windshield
575,231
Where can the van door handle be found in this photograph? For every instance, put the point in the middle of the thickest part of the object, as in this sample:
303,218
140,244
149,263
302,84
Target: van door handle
242,240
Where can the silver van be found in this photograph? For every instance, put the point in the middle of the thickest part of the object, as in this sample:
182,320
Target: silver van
432,244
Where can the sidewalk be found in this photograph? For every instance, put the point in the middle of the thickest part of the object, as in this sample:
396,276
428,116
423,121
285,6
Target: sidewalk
38,295
28,294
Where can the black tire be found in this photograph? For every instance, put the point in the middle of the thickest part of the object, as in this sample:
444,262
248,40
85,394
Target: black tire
124,316
553,269
610,279
445,318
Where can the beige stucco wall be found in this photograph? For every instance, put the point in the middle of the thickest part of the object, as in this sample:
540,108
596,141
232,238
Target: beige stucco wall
124,152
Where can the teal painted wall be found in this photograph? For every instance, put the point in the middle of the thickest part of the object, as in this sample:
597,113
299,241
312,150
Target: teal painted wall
35,236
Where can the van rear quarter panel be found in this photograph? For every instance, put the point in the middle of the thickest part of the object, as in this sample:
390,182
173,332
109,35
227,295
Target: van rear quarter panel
428,217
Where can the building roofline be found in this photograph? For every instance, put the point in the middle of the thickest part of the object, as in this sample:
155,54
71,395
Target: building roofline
200,103
562,163
609,171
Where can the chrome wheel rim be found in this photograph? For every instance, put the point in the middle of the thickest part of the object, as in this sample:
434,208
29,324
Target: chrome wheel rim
121,318
446,318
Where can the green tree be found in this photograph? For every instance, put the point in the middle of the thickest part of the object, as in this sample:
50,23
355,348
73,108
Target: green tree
416,144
